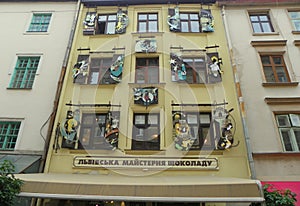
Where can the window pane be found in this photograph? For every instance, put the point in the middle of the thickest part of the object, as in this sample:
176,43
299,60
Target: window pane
140,76
204,118
184,27
142,17
294,14
153,75
269,75
192,119
195,26
295,120
153,119
184,16
266,27
111,27
283,121
256,27
140,119
194,17
277,60
112,17
297,25
152,16
297,136
94,78
263,18
102,18
153,26
285,134
142,27
281,74
254,18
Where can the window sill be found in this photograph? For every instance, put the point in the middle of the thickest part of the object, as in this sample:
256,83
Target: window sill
36,33
145,152
268,154
280,84
9,88
147,84
147,34
91,151
265,33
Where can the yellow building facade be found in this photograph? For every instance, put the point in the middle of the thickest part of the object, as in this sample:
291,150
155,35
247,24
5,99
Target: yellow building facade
148,112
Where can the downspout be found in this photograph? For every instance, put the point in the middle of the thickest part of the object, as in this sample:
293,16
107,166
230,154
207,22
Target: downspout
240,97
59,88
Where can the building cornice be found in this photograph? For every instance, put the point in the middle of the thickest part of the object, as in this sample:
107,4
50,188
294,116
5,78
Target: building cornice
142,2
269,43
256,2
282,100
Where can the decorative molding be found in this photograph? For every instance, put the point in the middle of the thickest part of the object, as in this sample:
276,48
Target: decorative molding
280,84
282,100
269,43
268,154
297,42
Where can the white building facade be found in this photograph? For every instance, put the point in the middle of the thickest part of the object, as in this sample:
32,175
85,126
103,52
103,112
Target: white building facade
34,40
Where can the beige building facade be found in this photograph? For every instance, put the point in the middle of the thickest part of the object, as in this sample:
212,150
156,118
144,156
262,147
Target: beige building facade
148,112
263,38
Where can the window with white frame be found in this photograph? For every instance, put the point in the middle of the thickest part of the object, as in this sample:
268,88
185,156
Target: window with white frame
9,131
106,24
190,22
24,72
289,130
295,18
40,22
147,22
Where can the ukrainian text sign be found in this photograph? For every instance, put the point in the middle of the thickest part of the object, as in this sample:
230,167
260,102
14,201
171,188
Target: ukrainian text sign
146,163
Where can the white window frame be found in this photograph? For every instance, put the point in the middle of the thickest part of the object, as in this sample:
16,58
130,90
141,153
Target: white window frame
292,126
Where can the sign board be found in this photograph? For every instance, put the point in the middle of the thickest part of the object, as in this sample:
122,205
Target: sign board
145,162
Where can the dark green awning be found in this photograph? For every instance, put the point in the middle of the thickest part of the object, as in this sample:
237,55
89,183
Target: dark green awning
23,163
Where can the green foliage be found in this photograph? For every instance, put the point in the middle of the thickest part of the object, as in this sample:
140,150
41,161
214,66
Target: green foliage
275,197
9,185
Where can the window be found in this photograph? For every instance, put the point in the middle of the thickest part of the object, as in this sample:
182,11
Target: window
295,18
99,70
147,70
195,70
193,131
146,132
106,24
93,131
40,23
261,23
189,22
147,22
289,129
8,134
274,68
24,72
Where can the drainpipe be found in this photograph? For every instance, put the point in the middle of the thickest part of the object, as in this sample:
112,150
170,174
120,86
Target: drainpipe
59,88
240,97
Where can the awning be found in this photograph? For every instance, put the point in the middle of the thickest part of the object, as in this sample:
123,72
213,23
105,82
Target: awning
141,188
23,163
